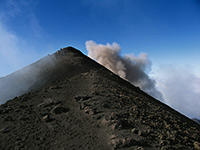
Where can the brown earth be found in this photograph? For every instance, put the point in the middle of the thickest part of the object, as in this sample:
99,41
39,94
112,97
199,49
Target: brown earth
75,103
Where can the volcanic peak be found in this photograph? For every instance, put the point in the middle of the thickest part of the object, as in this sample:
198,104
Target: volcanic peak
75,103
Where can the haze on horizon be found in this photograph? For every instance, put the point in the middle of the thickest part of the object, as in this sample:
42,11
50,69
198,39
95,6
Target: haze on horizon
167,31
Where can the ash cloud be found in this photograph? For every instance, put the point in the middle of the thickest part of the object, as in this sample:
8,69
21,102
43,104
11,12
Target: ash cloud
130,67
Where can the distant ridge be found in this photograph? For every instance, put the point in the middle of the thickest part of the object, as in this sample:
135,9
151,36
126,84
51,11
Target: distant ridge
68,101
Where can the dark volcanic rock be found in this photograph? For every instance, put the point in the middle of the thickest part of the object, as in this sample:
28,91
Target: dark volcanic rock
60,110
196,120
75,103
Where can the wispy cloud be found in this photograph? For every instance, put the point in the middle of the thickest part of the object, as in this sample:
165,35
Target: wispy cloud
15,50
23,10
35,26
9,50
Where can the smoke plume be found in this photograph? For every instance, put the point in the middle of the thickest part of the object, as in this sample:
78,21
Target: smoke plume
129,67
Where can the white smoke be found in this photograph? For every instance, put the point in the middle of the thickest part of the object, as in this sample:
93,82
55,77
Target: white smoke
128,67
180,89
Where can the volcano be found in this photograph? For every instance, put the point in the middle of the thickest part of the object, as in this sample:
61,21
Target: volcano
67,101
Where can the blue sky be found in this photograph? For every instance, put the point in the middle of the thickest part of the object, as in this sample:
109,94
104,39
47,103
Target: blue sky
167,30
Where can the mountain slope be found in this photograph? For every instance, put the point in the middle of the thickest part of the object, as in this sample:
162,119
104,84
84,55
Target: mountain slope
40,73
75,103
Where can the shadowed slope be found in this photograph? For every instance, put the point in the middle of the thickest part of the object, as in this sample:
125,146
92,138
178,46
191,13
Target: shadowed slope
78,104
52,68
